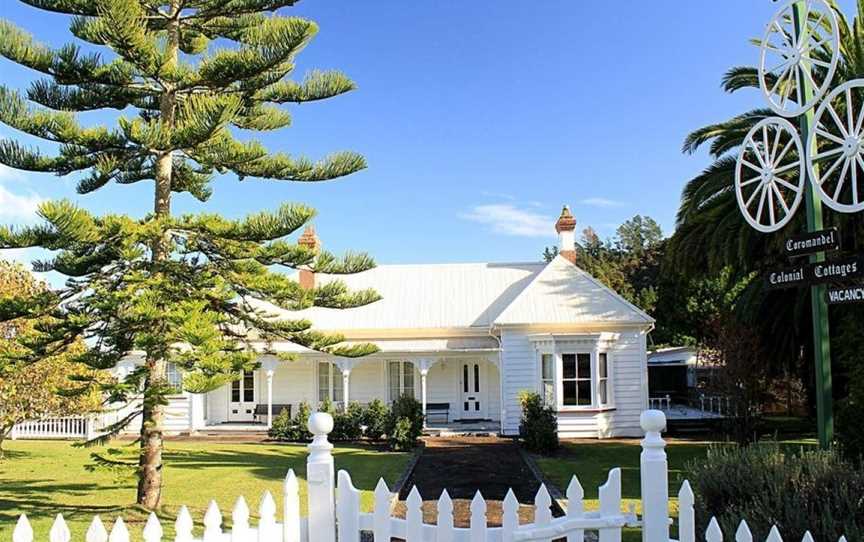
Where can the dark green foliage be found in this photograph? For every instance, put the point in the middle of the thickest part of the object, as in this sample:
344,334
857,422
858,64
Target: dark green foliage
402,437
375,417
807,490
405,423
348,425
538,427
292,429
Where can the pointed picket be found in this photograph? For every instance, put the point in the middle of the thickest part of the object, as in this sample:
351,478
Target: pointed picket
444,530
291,509
842,539
152,529
59,530
713,533
183,526
347,509
542,506
478,519
119,532
414,516
23,531
774,535
381,520
807,537
509,516
743,533
267,530
686,514
610,504
575,508
240,520
212,523
96,532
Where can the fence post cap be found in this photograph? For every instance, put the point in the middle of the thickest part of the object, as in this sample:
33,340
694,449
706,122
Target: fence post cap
320,423
652,421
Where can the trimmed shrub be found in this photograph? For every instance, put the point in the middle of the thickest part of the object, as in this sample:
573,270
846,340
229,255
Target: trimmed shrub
375,418
292,429
538,428
348,425
808,490
411,411
401,436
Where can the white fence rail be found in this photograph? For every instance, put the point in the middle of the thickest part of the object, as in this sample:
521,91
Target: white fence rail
70,427
334,510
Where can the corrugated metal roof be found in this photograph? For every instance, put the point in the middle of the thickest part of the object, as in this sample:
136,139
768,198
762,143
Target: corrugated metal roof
565,294
425,296
431,296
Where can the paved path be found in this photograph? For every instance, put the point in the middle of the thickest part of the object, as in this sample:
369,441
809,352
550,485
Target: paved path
464,465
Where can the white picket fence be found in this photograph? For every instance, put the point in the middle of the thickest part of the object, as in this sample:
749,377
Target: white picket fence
70,427
334,510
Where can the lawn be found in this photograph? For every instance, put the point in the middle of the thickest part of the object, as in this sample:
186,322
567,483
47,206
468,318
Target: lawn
44,478
590,461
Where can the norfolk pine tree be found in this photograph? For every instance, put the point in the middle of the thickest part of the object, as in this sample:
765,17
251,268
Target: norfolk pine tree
180,289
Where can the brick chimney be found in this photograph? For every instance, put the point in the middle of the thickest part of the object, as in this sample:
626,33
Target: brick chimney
566,226
309,240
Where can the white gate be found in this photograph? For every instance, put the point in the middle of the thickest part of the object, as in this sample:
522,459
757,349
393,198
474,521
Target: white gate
335,510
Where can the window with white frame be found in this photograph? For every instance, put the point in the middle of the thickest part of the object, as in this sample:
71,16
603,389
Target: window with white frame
576,379
174,377
547,379
401,379
603,378
329,382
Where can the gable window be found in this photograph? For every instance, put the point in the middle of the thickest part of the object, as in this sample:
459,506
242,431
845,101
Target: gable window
400,379
576,379
547,379
329,382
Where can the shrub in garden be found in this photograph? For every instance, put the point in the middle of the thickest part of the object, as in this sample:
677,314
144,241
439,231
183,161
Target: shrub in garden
808,490
375,417
538,428
348,425
292,429
411,411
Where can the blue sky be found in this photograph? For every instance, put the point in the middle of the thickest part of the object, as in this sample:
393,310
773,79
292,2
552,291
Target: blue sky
478,120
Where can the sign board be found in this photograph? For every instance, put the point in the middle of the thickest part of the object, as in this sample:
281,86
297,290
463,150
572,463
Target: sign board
809,243
845,294
826,272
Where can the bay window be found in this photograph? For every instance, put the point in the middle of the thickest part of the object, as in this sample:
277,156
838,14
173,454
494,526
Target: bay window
575,379
603,378
547,379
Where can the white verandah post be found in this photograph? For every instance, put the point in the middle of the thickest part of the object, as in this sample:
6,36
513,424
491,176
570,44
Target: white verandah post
320,479
269,365
345,365
654,478
423,366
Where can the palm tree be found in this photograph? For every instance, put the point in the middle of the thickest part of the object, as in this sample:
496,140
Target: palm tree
711,234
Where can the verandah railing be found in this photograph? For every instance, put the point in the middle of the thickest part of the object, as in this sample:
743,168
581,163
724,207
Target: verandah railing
334,510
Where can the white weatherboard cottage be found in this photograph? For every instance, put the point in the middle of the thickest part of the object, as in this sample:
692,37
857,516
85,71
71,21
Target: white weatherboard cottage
465,340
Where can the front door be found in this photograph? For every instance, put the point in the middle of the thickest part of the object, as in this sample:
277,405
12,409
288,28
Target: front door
241,403
473,404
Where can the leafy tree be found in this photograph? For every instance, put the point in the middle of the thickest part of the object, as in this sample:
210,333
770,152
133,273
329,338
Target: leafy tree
30,391
639,234
199,291
712,237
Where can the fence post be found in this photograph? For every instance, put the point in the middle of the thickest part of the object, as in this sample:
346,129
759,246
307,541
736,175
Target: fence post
90,430
654,478
321,480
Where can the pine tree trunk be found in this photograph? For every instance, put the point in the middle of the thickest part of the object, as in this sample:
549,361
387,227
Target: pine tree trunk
153,414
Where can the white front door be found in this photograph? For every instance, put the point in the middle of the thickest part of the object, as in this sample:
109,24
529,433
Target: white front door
241,400
473,404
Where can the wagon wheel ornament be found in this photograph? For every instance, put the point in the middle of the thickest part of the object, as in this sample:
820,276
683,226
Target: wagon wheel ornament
769,174
783,54
837,166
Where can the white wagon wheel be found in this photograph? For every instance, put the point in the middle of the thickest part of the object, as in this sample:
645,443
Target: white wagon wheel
783,54
769,175
837,167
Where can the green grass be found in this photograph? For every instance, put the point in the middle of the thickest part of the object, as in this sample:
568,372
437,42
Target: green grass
44,478
590,461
